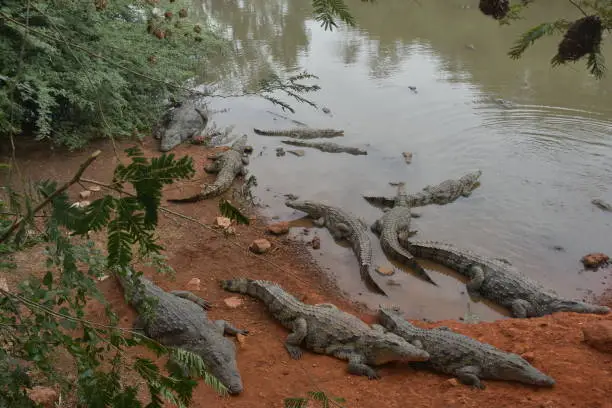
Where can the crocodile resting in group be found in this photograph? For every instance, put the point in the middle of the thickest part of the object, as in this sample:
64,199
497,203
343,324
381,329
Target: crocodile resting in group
444,193
301,133
325,329
228,165
180,123
178,319
499,281
395,222
327,147
343,225
461,356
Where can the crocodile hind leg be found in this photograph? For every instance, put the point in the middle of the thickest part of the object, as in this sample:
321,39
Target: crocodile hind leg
468,375
295,338
475,282
520,308
227,328
376,227
357,366
185,294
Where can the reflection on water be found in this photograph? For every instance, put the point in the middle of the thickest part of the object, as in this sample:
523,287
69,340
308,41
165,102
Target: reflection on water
541,136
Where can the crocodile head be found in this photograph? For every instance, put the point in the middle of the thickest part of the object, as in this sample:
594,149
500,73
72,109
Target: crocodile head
219,356
515,368
562,305
184,122
470,180
382,348
312,208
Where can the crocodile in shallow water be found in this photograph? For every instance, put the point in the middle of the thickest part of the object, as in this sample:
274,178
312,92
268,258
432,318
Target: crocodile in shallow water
228,165
327,147
179,124
343,225
301,133
444,193
499,281
395,222
178,319
461,356
325,329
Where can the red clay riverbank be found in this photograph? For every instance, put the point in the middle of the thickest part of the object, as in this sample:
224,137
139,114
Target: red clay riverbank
554,343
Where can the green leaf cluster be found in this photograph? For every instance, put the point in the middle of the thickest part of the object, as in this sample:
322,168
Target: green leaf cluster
319,396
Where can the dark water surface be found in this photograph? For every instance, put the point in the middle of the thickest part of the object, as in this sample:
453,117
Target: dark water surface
544,156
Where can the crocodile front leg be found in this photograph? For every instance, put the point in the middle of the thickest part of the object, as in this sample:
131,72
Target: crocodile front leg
520,308
376,227
319,222
185,294
468,375
475,282
295,338
226,328
357,366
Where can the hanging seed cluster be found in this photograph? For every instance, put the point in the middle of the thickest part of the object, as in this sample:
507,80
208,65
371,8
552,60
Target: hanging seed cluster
583,37
497,9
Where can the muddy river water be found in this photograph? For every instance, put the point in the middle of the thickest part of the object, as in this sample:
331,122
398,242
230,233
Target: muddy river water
545,154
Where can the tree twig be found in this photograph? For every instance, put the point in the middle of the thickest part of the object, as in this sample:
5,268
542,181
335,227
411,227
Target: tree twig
578,7
76,178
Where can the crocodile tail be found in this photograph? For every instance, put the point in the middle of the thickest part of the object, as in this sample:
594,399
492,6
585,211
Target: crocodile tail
192,199
367,273
238,285
392,247
268,132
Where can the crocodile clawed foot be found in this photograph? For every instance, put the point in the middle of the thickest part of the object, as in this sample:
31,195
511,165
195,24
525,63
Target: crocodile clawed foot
373,375
244,332
479,386
294,352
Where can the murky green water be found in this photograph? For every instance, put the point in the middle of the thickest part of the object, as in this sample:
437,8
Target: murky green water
544,157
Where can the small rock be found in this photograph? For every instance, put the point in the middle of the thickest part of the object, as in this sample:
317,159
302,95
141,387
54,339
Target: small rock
594,260
44,396
316,242
4,284
279,228
407,157
193,284
298,153
385,270
102,278
84,194
241,339
451,382
223,222
529,356
229,231
94,188
598,335
232,302
260,246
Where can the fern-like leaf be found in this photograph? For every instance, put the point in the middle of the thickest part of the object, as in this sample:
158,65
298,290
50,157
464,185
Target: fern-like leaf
233,213
534,34
295,402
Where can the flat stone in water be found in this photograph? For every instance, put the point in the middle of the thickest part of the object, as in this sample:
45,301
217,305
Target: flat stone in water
385,270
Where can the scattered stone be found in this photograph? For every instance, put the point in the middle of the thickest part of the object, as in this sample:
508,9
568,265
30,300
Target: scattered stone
298,153
233,302
601,204
451,382
393,282
223,222
316,242
241,338
594,260
193,284
260,246
279,228
407,157
102,278
529,356
229,231
598,335
43,396
84,194
280,152
94,188
385,270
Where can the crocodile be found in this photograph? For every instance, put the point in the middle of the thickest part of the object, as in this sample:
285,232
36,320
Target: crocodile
444,193
499,281
180,123
325,329
228,165
327,147
178,319
396,222
461,356
343,225
301,133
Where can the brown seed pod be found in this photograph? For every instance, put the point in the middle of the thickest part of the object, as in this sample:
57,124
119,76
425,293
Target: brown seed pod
159,33
497,9
197,28
168,15
152,59
183,13
582,37
101,4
